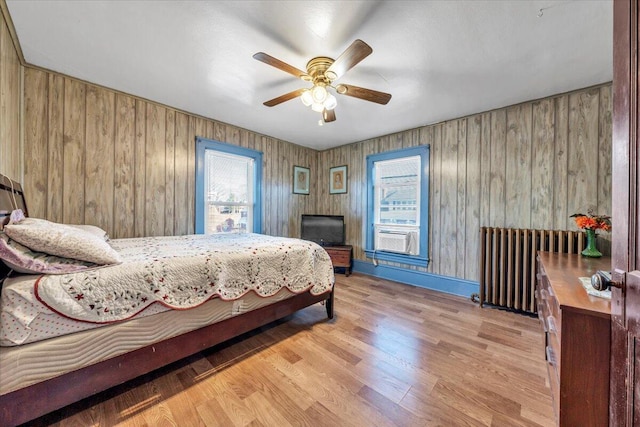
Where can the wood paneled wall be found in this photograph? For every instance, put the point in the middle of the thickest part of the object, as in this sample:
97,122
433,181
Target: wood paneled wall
97,156
100,157
10,81
526,166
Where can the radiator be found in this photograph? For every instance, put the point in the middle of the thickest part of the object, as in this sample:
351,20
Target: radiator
508,263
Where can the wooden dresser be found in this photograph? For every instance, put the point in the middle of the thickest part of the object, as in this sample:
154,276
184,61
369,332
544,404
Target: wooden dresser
577,338
341,256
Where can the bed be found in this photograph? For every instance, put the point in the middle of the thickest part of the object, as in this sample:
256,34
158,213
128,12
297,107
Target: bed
76,342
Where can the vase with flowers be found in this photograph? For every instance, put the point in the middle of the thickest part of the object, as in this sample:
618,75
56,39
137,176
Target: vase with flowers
590,223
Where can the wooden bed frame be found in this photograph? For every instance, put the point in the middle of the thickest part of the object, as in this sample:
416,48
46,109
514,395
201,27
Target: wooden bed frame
33,401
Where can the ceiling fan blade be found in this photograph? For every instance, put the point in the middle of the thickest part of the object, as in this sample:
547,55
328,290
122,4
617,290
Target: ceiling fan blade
282,98
362,93
349,58
329,115
274,62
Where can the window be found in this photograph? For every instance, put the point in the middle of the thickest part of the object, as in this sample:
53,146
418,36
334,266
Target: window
398,206
227,188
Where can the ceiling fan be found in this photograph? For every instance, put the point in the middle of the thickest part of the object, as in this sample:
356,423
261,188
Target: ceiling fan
322,71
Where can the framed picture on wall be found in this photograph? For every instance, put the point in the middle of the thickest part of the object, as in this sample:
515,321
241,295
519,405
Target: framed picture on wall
301,178
338,180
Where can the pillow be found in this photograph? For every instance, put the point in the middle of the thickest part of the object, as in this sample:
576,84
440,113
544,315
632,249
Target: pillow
92,229
62,240
21,259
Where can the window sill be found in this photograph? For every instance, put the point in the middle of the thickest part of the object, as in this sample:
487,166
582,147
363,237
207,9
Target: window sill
399,258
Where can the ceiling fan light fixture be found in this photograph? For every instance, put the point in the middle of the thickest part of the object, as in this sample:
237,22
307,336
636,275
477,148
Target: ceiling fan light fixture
331,102
321,71
306,98
317,107
319,94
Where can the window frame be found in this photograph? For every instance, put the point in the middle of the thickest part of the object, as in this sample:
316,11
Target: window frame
422,258
204,144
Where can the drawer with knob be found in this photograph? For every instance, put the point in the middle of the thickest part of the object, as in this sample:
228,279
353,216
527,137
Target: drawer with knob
577,333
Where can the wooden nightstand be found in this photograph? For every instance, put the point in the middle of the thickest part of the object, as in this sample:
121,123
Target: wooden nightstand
340,257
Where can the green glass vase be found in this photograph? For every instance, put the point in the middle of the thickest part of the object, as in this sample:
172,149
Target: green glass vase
591,251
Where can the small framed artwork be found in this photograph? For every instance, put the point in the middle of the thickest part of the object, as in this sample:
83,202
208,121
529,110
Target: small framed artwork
338,180
301,177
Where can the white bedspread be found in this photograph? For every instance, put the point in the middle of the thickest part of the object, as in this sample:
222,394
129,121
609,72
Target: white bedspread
183,272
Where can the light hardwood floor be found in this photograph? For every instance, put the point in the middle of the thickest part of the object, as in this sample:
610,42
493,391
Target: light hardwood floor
394,355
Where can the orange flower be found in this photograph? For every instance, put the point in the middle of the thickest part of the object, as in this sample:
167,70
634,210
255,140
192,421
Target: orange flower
592,222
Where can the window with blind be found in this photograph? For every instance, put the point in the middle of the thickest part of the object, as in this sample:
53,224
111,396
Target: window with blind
227,188
398,206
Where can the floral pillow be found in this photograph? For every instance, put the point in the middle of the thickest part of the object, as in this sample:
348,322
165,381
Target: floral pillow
21,259
62,240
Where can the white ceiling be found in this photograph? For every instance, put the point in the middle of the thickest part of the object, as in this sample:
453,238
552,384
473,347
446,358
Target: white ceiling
439,59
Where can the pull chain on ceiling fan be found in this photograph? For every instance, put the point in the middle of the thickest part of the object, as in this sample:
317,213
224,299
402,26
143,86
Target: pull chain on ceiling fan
322,71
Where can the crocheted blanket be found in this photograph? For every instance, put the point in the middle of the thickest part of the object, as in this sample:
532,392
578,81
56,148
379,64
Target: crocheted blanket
182,272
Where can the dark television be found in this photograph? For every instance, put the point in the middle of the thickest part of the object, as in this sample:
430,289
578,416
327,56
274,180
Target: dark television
325,230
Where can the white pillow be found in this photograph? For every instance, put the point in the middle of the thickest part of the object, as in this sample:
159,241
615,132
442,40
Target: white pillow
95,230
62,240
21,259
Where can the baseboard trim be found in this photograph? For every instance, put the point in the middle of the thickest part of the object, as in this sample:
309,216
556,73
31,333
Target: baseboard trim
449,285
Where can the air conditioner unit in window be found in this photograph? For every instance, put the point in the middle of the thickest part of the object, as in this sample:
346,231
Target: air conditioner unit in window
394,241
